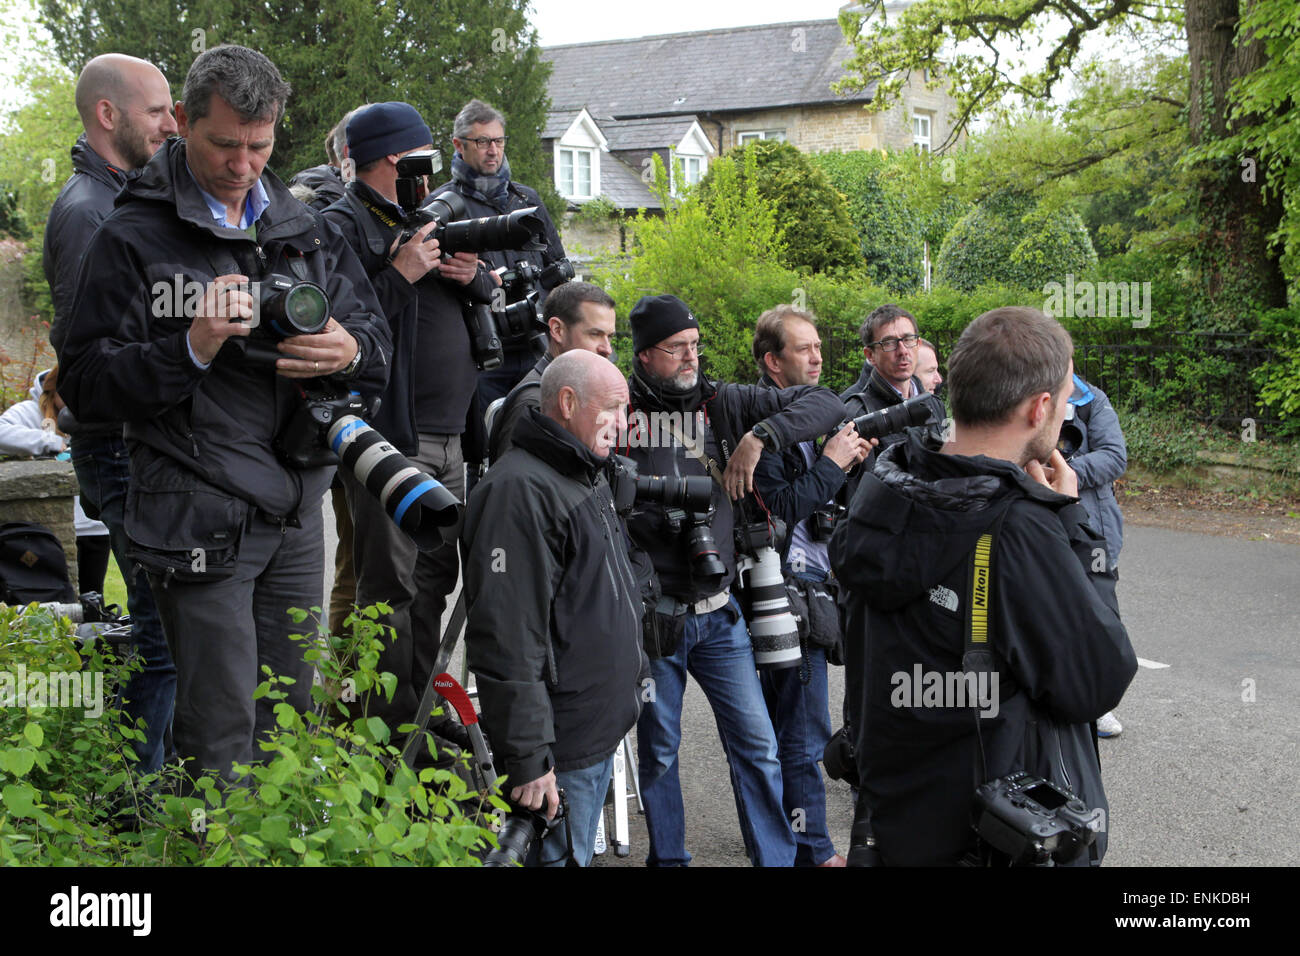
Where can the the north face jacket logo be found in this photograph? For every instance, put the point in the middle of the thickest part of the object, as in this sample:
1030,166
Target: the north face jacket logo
946,598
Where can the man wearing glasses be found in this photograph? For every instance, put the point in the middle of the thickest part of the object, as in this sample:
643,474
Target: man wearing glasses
890,341
684,422
481,174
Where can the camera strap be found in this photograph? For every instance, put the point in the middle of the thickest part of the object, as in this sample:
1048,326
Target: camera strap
977,656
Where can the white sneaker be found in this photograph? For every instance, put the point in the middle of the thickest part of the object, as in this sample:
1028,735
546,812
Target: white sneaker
1108,725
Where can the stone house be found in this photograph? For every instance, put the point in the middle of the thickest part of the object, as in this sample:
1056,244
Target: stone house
693,96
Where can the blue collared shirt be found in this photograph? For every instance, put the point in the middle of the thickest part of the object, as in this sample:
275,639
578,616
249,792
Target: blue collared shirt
255,205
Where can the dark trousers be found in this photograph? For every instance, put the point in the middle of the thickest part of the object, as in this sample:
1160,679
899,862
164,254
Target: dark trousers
414,583
92,562
222,632
104,472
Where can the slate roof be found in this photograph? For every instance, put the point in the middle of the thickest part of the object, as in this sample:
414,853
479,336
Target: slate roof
645,133
711,71
622,185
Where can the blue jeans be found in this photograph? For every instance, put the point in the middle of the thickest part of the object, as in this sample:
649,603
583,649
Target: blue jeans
584,792
801,715
715,650
104,473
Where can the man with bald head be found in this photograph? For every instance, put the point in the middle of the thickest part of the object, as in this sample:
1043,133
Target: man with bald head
554,624
126,113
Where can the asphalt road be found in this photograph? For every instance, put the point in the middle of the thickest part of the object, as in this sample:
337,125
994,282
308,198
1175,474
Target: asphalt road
1207,768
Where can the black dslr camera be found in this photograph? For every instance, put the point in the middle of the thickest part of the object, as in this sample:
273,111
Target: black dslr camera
521,828
893,418
687,504
522,287
522,229
1032,820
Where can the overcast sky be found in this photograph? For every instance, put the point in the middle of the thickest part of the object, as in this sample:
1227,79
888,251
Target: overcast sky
582,21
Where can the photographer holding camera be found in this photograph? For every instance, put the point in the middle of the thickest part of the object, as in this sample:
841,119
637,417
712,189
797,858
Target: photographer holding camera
804,486
890,343
970,569
481,175
694,426
554,607
423,408
162,335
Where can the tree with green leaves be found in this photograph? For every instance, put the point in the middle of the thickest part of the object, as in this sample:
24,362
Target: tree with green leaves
817,231
1236,266
339,54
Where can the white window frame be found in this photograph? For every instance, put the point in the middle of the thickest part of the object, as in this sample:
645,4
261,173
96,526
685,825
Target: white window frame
569,190
922,140
753,135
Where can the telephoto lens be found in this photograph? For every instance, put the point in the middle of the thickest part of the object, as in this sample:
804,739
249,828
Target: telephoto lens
894,418
417,502
772,628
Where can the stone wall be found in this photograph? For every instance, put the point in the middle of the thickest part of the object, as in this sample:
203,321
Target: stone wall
41,492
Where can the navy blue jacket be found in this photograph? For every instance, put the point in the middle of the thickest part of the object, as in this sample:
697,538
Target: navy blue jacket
1102,456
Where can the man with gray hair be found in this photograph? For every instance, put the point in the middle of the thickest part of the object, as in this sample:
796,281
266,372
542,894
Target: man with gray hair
481,174
169,330
554,607
126,113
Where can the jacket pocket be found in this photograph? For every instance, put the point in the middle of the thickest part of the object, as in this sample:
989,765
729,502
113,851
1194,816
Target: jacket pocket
182,527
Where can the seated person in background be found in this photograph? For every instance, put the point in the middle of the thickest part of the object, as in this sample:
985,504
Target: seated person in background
29,429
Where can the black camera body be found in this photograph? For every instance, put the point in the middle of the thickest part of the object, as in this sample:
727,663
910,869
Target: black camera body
688,509
521,828
1032,820
522,286
302,443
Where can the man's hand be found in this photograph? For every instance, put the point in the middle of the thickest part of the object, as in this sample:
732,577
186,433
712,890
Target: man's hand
459,267
535,793
1057,474
226,301
738,479
415,258
307,356
847,448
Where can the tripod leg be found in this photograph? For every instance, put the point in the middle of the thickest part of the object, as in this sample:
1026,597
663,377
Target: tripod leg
622,841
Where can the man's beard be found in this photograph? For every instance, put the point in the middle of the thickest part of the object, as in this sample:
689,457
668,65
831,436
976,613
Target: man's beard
134,148
683,381
1039,448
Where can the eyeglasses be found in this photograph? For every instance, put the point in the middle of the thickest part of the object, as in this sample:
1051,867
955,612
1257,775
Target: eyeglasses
679,351
891,343
482,141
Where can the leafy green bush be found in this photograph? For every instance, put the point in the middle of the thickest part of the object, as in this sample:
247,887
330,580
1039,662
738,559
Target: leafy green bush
816,227
322,794
1010,239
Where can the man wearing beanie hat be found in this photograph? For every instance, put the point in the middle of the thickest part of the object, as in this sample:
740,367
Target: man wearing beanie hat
424,406
685,424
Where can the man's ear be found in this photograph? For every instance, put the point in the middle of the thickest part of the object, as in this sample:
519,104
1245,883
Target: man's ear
1040,407
182,120
770,364
106,114
555,325
568,399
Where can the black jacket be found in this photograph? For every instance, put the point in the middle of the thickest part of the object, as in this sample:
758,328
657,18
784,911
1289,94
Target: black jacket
84,202
423,318
518,196
792,415
526,394
1061,654
325,183
126,353
790,488
554,624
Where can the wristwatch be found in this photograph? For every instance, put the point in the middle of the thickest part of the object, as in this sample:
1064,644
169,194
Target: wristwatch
765,435
351,368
